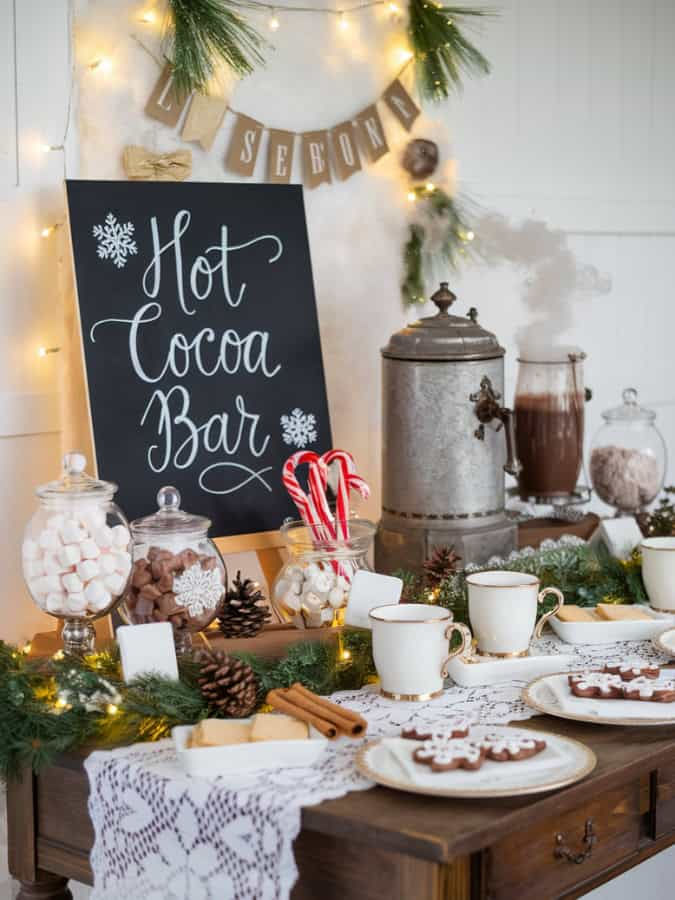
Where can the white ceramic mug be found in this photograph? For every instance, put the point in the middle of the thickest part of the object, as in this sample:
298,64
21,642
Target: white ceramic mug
503,611
658,572
411,648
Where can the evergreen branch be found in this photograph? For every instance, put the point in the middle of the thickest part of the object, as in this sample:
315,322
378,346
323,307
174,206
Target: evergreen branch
205,33
442,52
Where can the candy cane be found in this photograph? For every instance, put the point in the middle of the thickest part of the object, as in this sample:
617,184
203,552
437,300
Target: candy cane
313,509
347,481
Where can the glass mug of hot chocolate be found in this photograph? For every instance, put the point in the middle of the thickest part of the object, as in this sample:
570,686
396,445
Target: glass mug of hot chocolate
549,418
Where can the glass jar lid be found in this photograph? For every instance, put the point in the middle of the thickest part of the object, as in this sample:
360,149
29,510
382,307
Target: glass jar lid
75,484
443,338
169,518
630,410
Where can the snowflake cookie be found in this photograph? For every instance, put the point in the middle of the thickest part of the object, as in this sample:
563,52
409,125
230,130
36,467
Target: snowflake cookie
450,727
510,747
596,684
443,754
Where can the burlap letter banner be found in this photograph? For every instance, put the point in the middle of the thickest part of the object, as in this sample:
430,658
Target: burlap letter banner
401,104
372,133
345,150
315,169
244,145
280,157
204,119
165,103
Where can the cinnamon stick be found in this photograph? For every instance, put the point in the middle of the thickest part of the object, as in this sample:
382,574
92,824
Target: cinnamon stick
279,701
342,711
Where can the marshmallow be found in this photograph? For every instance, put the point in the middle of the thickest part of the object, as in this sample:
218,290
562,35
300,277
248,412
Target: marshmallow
312,602
123,563
55,522
97,596
336,598
50,583
54,602
72,583
30,549
107,563
33,568
88,569
94,592
76,602
312,571
89,549
326,615
121,536
71,533
49,540
291,601
115,583
322,582
52,566
69,555
41,600
103,537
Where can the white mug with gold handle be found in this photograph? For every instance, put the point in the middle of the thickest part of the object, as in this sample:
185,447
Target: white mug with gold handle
410,648
503,611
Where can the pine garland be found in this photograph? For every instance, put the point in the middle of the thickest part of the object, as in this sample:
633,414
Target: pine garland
48,706
439,237
586,575
201,35
441,50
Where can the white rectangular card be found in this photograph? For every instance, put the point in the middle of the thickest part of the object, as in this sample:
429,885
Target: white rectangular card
147,648
368,591
620,536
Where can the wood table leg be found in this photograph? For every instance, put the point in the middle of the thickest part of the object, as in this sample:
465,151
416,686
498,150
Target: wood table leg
45,887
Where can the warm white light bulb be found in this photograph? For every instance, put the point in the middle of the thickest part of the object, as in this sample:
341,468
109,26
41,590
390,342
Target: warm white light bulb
46,232
102,64
42,351
404,54
412,196
343,22
149,17
430,186
274,23
470,235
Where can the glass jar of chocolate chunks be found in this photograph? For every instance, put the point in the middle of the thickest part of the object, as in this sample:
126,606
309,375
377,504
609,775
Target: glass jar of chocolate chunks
177,575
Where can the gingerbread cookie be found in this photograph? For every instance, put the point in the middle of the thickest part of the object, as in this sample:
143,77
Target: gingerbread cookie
443,755
452,727
647,689
628,672
510,748
596,684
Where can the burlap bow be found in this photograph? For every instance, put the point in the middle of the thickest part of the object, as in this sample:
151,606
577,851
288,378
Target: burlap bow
141,164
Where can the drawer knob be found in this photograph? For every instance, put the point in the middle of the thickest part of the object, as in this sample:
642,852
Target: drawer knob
588,841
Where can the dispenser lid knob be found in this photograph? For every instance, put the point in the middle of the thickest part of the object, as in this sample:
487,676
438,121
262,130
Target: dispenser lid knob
443,298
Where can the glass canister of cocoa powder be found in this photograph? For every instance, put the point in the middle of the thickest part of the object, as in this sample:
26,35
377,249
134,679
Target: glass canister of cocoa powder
549,414
177,574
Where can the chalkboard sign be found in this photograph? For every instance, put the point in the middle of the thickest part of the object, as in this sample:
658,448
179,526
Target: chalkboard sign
201,343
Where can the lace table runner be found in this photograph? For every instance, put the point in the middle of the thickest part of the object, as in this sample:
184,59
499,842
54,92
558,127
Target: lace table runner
160,835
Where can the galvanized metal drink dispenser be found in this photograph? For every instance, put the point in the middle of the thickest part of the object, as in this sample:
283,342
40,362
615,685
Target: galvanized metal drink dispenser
446,442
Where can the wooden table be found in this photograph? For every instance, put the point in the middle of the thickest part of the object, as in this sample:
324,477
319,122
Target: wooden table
387,844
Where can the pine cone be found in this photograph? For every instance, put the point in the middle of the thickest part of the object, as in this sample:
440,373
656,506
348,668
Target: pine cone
441,565
243,611
420,157
228,684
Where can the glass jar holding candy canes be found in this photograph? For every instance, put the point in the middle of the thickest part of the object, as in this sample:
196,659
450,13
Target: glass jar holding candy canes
75,552
325,548
178,574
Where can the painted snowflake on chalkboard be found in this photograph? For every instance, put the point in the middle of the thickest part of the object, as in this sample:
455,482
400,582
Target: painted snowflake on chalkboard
298,429
115,241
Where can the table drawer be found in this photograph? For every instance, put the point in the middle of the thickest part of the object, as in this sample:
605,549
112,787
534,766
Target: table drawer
664,807
553,856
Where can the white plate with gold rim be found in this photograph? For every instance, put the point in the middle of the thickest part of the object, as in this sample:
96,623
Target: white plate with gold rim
389,762
550,695
603,631
665,642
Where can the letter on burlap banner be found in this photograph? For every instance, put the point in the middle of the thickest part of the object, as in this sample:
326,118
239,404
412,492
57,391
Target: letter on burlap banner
204,119
401,104
345,150
165,103
315,169
280,156
244,145
372,133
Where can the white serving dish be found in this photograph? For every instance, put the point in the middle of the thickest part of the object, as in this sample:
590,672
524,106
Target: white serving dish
665,642
236,758
608,632
477,670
